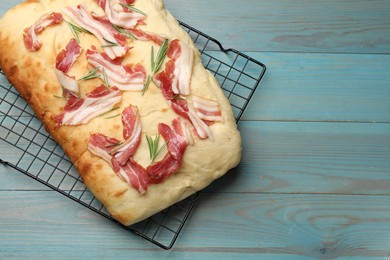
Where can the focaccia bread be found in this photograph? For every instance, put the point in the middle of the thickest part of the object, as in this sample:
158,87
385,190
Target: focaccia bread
121,87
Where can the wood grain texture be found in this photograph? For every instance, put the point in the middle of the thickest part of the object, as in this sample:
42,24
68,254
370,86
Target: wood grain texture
315,173
224,225
292,26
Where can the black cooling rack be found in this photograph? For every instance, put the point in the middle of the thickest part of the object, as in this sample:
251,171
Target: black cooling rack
41,158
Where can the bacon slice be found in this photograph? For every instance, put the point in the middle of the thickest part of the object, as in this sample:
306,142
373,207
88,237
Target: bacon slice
119,154
147,36
120,15
173,160
81,110
183,58
131,132
114,42
131,172
206,109
64,61
30,38
179,104
102,145
126,78
134,174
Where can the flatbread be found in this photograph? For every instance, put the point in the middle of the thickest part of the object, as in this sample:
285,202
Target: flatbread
33,75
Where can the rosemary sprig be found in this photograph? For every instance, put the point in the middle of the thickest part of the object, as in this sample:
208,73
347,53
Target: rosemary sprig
109,44
155,63
105,79
125,32
91,74
109,117
132,8
76,30
154,151
162,52
177,97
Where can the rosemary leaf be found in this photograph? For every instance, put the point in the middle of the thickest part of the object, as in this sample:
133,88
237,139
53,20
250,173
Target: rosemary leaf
146,85
109,44
132,8
151,146
155,64
76,30
177,97
57,96
162,52
155,83
152,61
91,75
105,79
125,32
159,151
154,151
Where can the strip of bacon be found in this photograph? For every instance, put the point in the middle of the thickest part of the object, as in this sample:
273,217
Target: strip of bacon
206,109
104,31
183,58
179,104
131,132
120,15
64,61
147,36
102,145
126,78
173,160
119,154
134,174
30,38
131,172
81,110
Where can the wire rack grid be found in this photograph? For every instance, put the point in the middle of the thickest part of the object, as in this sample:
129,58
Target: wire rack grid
32,151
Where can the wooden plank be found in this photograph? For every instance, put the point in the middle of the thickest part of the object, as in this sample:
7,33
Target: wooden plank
292,26
38,224
290,157
293,157
311,87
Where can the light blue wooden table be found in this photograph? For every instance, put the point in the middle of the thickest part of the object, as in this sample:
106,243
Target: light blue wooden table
314,181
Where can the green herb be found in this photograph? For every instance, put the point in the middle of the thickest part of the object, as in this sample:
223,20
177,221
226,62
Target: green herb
109,44
146,85
76,30
125,32
162,52
91,75
132,8
105,79
56,96
155,64
177,97
154,151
